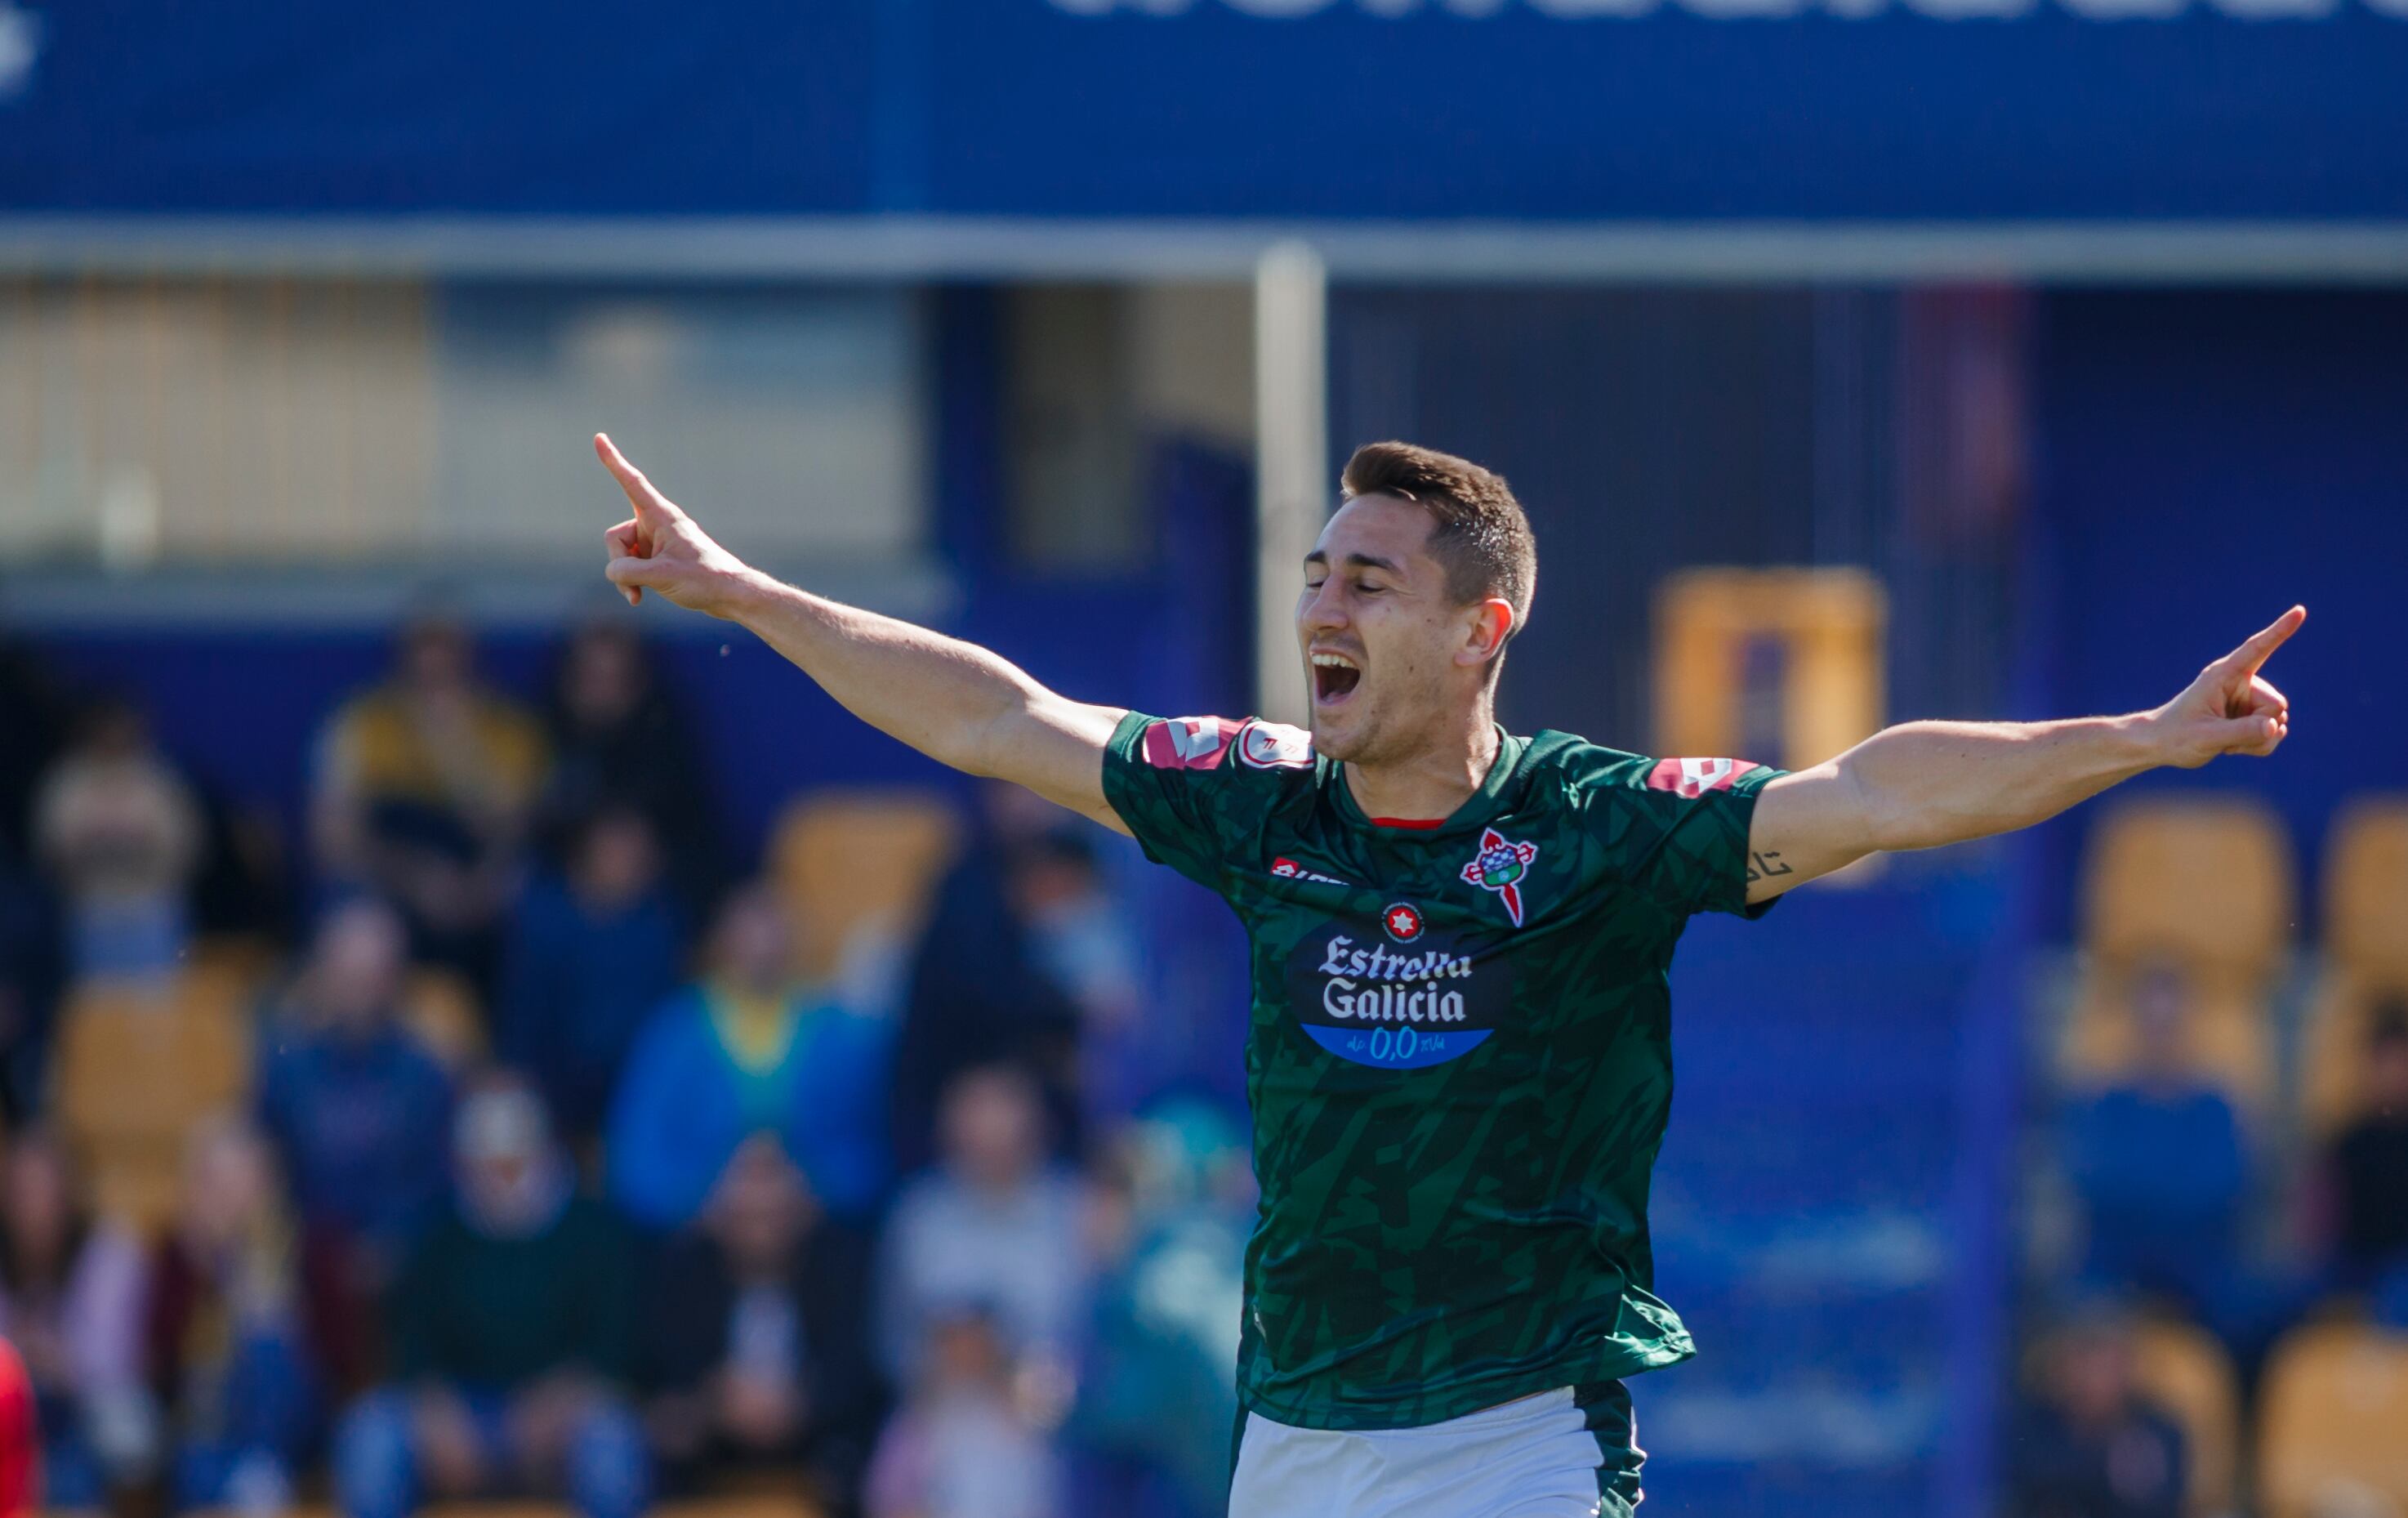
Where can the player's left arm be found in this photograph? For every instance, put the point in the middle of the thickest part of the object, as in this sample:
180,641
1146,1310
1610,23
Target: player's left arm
1923,784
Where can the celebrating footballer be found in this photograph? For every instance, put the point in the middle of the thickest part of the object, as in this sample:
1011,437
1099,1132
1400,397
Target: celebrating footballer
1459,1053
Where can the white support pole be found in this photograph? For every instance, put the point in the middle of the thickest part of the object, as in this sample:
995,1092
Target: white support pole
1291,460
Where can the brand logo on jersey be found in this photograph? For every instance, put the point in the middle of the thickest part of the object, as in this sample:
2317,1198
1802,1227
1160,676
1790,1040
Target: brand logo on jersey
1395,1009
1501,865
1189,742
1275,746
1288,870
1694,778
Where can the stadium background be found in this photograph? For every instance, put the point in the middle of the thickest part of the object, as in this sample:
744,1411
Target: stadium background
2077,329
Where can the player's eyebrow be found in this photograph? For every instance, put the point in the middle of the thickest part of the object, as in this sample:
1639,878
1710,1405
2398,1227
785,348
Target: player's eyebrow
1317,559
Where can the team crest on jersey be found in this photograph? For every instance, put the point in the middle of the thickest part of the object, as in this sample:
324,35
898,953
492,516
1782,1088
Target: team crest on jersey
1501,865
1694,778
1274,746
1402,922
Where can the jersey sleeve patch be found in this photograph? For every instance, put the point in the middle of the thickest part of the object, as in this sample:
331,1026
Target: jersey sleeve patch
1274,746
1189,742
1694,778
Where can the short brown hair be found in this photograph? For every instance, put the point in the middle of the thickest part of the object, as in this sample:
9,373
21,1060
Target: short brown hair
1481,535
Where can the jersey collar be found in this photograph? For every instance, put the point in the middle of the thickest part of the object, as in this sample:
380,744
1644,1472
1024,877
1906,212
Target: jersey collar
1477,809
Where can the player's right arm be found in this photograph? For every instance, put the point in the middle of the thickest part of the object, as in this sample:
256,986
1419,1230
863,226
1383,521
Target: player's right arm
956,702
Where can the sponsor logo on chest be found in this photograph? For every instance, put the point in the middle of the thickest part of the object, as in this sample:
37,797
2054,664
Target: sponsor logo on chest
1397,995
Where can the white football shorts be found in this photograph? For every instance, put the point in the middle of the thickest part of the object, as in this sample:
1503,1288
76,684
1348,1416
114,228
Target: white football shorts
1571,1452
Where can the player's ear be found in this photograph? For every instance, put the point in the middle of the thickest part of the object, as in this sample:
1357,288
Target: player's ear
1488,624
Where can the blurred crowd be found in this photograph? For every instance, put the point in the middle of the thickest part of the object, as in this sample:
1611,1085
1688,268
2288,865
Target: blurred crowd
635,1206
2221,1293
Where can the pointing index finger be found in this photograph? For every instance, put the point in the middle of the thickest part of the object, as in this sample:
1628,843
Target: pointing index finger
641,494
2253,652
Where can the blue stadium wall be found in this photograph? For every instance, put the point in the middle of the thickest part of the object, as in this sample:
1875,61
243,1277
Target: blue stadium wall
1506,109
2204,459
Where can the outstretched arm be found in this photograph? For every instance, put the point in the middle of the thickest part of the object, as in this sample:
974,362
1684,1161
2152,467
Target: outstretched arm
953,701
1923,784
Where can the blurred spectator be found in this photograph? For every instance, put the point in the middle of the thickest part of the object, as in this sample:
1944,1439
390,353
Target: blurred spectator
1023,948
20,1440
359,1111
120,833
244,886
510,1337
227,1351
71,1299
2387,1301
424,789
31,975
994,1224
618,740
29,741
2158,1163
591,955
2368,1164
747,1052
357,1104
1157,1400
760,1338
2090,1446
961,1447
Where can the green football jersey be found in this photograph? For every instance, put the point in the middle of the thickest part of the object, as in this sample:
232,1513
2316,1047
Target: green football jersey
1458,1057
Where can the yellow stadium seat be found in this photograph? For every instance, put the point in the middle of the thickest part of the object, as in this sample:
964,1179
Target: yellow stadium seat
2334,1043
136,1068
2204,882
442,1008
237,956
136,1182
2366,916
2186,1372
2231,1038
1829,626
848,862
2332,1432
135,1063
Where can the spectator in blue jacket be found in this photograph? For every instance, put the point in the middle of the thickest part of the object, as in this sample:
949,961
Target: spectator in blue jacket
2161,1164
357,1104
749,1051
591,955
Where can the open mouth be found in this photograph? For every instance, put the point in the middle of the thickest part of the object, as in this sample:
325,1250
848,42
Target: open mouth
1334,678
